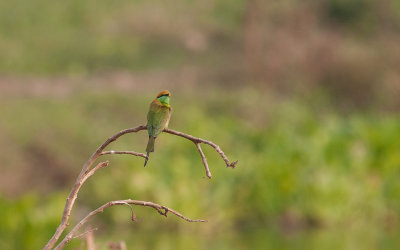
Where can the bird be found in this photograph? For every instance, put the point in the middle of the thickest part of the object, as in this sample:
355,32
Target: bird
157,119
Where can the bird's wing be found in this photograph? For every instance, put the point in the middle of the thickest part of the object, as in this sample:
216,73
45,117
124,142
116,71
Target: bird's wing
157,119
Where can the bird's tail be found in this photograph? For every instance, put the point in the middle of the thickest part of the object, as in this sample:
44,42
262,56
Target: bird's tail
149,148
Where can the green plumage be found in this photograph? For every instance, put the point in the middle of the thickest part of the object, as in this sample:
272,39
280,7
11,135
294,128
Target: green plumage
157,119
150,144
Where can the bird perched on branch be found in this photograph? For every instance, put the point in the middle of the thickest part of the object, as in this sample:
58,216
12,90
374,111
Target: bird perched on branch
157,119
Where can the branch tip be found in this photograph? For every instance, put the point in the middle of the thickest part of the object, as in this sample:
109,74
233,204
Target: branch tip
197,142
232,164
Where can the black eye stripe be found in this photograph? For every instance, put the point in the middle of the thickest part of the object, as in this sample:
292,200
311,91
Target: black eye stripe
163,95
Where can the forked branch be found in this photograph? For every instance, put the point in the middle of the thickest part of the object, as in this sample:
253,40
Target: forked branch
88,171
162,210
197,140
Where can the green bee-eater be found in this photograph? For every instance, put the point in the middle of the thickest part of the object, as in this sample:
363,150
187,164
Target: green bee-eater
157,119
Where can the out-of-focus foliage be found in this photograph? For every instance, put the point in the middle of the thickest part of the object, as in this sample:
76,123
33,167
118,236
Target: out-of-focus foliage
305,172
305,94
346,47
47,37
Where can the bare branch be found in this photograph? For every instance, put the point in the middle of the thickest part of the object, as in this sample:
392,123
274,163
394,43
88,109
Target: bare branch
87,171
197,140
133,216
203,157
123,153
85,233
90,241
156,206
166,210
91,172
78,183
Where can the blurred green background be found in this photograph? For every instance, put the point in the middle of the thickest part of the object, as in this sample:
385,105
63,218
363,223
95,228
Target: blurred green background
305,94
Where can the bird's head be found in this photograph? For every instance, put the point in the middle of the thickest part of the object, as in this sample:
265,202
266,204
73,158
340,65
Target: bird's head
164,96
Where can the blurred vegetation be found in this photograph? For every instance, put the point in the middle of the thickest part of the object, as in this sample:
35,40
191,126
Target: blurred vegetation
304,170
304,94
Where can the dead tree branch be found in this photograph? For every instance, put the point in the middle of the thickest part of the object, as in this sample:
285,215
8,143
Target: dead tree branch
162,210
88,171
203,157
80,180
93,170
196,141
112,152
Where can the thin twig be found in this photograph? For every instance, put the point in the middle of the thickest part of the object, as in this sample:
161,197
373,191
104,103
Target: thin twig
156,206
85,233
93,170
133,216
112,152
203,157
197,140
90,245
